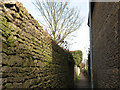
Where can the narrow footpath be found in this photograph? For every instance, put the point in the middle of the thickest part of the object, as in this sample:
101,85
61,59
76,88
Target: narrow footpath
83,82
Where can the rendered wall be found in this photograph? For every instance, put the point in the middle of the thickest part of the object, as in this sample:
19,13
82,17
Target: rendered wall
30,59
106,44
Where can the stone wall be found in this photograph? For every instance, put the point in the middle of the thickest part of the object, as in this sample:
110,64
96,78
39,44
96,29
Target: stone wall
106,44
30,58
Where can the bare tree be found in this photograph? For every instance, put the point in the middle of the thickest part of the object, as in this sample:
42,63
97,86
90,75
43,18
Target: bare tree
61,20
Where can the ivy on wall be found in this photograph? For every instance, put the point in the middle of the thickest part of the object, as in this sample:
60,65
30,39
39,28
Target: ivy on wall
77,56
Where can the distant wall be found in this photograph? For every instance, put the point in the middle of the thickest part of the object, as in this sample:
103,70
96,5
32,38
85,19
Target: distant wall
30,59
106,45
76,72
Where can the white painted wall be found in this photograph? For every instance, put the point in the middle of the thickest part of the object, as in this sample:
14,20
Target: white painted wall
76,72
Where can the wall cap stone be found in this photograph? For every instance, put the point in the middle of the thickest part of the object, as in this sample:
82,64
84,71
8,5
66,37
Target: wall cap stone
9,1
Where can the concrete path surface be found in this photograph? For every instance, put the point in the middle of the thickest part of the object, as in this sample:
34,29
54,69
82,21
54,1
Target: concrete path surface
83,82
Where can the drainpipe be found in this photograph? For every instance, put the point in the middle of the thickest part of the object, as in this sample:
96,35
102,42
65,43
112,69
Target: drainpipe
91,60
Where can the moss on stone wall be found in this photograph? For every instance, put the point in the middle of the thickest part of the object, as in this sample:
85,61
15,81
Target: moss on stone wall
30,58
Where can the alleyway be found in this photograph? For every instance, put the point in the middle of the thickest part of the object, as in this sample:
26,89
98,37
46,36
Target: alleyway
83,82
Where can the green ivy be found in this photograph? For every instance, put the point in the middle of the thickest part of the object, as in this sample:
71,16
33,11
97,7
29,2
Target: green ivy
77,56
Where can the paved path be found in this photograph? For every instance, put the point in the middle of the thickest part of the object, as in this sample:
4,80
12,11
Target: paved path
83,82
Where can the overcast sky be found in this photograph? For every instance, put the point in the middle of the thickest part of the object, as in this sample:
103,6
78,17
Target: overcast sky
81,41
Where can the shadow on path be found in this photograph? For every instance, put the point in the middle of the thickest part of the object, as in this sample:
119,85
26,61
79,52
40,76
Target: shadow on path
83,82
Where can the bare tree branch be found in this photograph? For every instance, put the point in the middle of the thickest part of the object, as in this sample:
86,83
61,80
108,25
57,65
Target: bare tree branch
59,18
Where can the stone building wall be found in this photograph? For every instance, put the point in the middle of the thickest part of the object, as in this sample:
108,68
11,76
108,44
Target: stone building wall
30,58
106,44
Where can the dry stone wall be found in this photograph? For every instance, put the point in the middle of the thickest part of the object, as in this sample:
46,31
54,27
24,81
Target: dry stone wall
30,58
106,44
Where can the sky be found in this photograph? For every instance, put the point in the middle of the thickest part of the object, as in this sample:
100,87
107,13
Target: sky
81,41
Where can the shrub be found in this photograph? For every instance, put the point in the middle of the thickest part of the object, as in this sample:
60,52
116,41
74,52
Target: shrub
77,56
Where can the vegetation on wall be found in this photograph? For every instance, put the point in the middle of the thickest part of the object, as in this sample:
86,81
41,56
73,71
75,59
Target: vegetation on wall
77,56
30,58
